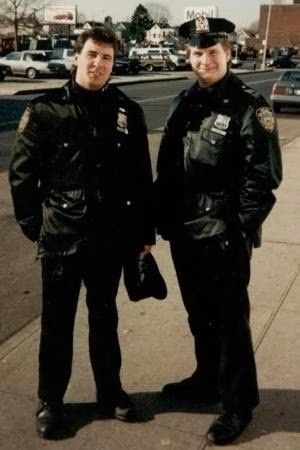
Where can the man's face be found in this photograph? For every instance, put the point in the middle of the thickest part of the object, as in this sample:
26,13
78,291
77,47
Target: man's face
94,64
209,64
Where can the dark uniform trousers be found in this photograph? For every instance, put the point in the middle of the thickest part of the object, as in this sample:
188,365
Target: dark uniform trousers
99,266
213,276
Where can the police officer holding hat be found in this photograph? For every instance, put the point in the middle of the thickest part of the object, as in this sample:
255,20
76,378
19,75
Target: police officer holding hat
218,163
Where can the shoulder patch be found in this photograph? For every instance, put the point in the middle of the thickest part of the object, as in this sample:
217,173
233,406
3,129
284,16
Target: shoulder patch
266,118
24,120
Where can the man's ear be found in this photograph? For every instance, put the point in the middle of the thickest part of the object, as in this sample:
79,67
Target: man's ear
229,55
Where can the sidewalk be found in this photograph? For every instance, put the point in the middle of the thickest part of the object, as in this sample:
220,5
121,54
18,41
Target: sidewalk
157,348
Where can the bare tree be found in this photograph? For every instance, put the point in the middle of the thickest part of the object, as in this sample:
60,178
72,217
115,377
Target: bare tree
254,27
81,17
159,13
18,12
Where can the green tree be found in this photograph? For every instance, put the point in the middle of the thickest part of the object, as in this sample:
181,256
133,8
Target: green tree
141,21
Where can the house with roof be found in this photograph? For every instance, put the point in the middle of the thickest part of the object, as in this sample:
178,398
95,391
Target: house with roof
159,33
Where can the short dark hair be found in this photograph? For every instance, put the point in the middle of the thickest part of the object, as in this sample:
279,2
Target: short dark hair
101,33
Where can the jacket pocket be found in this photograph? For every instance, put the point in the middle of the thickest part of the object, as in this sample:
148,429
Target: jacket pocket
64,213
204,147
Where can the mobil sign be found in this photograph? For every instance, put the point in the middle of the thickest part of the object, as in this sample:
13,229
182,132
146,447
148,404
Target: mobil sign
192,12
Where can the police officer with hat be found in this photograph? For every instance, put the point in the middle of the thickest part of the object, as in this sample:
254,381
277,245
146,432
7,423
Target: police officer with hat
218,164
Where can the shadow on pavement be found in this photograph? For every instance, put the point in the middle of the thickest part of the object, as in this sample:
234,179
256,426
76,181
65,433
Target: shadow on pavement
148,404
278,412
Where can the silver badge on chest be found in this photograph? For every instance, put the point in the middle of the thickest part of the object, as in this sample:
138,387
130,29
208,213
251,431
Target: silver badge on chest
222,122
122,121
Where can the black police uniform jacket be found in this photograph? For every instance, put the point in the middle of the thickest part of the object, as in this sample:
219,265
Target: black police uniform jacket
71,176
218,162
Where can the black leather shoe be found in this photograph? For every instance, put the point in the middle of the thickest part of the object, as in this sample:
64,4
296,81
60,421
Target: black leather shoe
49,418
228,427
121,408
191,389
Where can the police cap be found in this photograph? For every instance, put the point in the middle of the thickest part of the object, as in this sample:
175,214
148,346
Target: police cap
205,31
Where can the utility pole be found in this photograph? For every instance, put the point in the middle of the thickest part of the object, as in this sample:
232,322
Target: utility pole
263,64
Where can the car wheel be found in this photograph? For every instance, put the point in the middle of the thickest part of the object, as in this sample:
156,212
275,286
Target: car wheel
276,107
149,68
31,73
172,67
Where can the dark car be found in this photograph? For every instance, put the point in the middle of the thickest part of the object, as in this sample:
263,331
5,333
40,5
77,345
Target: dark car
125,65
283,62
286,90
4,70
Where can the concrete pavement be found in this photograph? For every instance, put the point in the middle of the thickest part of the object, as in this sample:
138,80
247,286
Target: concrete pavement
157,348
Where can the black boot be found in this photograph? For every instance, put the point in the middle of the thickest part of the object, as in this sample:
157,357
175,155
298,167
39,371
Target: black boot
49,419
119,407
228,427
191,389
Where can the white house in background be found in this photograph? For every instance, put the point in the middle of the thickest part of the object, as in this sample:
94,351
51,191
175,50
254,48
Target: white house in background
242,35
159,33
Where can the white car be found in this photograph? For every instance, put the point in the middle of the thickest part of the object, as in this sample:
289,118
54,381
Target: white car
31,63
177,59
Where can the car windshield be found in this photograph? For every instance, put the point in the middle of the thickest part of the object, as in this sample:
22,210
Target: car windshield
14,56
291,76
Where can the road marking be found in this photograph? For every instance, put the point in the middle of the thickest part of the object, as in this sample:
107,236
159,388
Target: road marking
261,81
156,98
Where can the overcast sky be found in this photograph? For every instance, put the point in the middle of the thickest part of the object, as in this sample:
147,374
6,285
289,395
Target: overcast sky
242,13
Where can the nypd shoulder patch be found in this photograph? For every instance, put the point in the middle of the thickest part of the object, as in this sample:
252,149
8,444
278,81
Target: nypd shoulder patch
266,118
24,120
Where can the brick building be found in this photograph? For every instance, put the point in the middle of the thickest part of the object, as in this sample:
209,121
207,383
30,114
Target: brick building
284,25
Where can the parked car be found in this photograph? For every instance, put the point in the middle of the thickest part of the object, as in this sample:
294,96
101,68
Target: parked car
156,62
178,60
31,63
4,70
61,61
286,90
236,62
282,61
124,65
